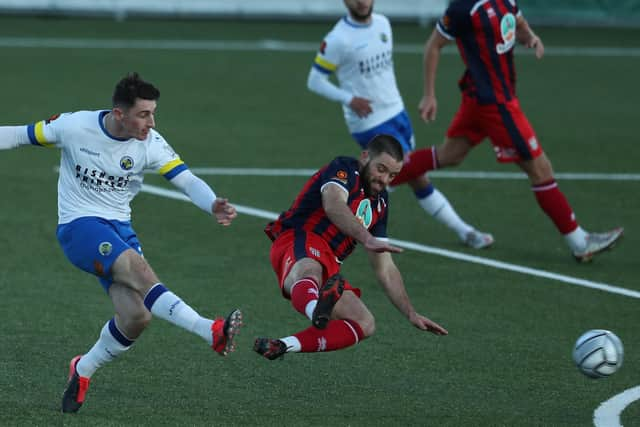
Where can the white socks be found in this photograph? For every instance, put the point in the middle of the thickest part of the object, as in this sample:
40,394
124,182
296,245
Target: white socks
110,345
437,205
168,306
577,239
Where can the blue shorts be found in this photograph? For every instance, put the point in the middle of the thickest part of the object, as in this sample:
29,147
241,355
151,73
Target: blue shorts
93,244
398,126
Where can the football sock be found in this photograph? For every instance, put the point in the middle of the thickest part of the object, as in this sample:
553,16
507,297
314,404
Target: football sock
419,162
556,206
111,344
338,334
576,240
437,205
165,304
304,296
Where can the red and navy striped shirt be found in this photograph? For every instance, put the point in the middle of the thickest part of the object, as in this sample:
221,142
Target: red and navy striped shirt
485,32
307,213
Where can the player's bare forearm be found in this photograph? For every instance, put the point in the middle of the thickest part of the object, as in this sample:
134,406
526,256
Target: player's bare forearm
335,206
430,62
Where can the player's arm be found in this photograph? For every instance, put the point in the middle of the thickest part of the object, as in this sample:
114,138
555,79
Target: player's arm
428,104
203,196
526,36
13,137
324,65
391,280
334,202
45,133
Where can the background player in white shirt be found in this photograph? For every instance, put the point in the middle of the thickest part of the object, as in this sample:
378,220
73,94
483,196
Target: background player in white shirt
359,50
104,157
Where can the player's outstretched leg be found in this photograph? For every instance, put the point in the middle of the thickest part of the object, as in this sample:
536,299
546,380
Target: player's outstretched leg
329,295
77,387
270,348
598,242
223,332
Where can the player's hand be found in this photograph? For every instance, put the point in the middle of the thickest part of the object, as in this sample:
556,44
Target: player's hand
536,43
223,211
421,322
428,108
361,106
377,245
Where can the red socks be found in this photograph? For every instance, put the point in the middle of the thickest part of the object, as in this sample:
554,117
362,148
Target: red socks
303,291
556,206
338,334
419,162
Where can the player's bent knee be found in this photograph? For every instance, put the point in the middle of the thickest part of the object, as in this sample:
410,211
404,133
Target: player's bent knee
368,326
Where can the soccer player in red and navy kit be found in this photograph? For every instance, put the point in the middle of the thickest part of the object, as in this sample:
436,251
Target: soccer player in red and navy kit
343,203
486,32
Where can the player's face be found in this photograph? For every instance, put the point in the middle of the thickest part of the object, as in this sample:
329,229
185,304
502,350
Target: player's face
378,172
360,10
138,120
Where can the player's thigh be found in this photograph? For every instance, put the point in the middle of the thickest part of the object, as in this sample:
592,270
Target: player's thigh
453,151
94,244
132,270
350,306
511,134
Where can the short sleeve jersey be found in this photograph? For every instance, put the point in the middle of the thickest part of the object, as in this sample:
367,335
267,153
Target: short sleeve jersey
307,213
99,173
485,32
361,56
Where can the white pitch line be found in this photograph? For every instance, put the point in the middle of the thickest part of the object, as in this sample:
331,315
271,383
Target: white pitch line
608,413
260,213
436,174
269,45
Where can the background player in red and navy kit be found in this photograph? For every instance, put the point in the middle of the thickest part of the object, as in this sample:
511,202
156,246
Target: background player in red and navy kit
486,32
343,203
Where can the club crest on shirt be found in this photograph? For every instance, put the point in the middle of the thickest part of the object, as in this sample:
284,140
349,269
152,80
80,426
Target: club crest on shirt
508,33
342,176
105,248
384,37
364,213
52,118
126,163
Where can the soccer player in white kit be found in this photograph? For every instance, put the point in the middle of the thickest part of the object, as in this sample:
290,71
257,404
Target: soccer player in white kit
104,156
359,50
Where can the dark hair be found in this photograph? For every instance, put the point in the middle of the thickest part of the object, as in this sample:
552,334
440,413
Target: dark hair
383,143
132,87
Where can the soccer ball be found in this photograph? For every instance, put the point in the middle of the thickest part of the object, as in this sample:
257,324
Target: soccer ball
598,353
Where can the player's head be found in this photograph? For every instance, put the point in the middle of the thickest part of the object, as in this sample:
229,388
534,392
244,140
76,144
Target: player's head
360,10
134,106
380,163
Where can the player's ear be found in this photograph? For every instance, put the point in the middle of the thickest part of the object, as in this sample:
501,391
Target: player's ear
364,156
117,112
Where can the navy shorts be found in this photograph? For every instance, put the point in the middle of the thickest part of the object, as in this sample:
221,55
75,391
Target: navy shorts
93,244
398,126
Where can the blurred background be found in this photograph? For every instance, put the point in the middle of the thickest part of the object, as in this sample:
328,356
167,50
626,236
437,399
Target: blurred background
557,12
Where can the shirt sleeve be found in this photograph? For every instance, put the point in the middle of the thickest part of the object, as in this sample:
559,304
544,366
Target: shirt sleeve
329,55
48,133
339,172
163,159
454,22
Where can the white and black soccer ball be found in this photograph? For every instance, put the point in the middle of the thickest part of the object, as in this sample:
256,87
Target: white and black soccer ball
598,353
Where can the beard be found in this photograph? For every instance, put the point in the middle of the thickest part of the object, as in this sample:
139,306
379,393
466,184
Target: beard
365,176
361,17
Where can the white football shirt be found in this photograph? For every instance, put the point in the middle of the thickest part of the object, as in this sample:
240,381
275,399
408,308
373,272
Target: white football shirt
99,173
361,56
